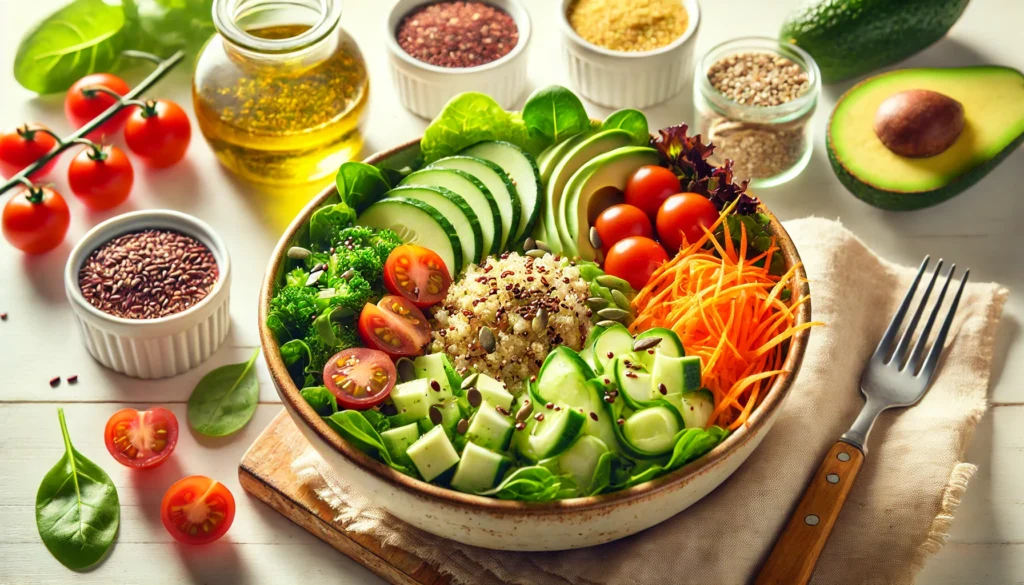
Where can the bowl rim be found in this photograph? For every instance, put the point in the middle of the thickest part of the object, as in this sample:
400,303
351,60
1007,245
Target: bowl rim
693,22
757,422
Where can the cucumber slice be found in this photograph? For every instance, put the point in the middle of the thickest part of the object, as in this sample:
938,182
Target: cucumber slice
613,341
398,440
412,400
664,411
652,430
500,186
456,210
494,392
675,375
522,169
563,379
551,436
479,469
433,454
579,461
489,428
600,426
634,382
416,222
476,195
696,408
436,367
670,346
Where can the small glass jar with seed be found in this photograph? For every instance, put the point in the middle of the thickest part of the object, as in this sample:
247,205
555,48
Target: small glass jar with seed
754,99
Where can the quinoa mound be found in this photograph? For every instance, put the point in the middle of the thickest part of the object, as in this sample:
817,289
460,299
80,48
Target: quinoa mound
505,294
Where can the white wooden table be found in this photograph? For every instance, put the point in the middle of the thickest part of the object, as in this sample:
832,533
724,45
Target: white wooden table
981,229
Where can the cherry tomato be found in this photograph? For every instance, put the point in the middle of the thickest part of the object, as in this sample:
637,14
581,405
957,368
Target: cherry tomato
197,510
360,378
101,179
22,146
159,133
417,274
141,438
619,222
395,326
83,103
634,260
649,187
683,215
36,220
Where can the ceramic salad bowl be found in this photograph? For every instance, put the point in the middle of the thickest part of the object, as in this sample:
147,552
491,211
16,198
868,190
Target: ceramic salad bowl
517,525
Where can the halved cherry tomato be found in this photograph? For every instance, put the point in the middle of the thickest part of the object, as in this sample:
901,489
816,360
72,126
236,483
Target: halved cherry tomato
158,133
621,221
683,215
395,326
417,274
197,510
36,220
634,260
141,438
101,177
83,103
649,187
360,378
24,145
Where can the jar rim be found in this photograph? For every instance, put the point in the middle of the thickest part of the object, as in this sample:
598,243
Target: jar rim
762,44
227,13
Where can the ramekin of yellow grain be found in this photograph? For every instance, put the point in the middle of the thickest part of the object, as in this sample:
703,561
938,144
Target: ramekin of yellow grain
629,53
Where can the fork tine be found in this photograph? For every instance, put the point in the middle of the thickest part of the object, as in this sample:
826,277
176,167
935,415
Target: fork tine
900,354
917,354
882,351
940,340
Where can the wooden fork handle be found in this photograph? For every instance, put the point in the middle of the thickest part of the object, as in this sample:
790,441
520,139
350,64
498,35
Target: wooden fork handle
792,560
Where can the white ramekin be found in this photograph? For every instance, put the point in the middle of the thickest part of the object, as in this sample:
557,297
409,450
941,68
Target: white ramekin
621,79
152,348
424,89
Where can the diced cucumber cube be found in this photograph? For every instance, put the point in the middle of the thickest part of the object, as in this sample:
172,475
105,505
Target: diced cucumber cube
550,436
433,454
435,367
479,469
412,400
494,392
676,374
399,439
563,379
580,461
489,428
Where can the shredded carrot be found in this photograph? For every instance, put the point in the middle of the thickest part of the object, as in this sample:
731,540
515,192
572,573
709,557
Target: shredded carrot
728,311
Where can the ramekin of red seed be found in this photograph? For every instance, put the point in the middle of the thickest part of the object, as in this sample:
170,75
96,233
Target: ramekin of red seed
440,48
150,292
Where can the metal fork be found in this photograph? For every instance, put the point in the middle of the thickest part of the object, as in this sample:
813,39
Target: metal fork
895,376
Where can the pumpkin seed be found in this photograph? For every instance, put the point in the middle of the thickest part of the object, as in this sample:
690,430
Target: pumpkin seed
435,415
620,299
313,277
607,323
536,253
595,238
470,381
612,313
406,369
298,253
542,246
529,244
597,303
462,427
474,397
646,343
348,274
540,322
487,340
525,412
612,282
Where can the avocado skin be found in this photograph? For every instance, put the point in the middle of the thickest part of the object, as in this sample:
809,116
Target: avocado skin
848,38
897,201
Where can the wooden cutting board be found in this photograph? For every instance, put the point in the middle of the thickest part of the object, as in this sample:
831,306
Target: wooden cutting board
266,472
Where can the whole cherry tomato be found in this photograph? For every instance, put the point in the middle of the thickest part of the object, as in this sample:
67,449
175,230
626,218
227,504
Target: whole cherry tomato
22,146
621,221
84,102
634,260
197,510
141,438
159,133
101,177
683,215
35,220
649,187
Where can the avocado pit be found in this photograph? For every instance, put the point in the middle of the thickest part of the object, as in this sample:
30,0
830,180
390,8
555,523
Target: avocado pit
919,123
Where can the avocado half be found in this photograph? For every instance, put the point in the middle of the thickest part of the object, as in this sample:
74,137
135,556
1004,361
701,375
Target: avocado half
993,103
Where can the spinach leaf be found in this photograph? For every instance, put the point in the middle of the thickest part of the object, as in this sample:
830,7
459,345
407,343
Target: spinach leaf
553,114
225,399
693,443
531,484
632,121
360,185
355,428
470,118
326,222
162,27
77,509
296,357
377,420
602,474
325,329
83,37
321,399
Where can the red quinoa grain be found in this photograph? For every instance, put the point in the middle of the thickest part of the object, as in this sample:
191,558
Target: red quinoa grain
457,34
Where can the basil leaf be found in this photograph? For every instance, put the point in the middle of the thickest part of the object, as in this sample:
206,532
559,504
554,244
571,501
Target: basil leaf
360,184
162,27
83,37
554,113
77,509
469,118
321,399
632,121
225,399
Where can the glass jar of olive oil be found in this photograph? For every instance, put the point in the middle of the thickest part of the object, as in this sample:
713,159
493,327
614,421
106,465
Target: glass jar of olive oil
280,91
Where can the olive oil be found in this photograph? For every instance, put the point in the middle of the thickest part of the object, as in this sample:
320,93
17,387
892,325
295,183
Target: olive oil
282,118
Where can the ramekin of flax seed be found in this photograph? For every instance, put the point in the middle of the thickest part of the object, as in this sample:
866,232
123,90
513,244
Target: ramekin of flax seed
150,292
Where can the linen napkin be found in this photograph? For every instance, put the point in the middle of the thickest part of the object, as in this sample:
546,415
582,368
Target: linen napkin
900,508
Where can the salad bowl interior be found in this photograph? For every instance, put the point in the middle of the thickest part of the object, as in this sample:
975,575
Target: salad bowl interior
512,524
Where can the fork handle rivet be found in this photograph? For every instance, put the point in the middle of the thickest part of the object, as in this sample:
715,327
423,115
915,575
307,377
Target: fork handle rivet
843,456
832,478
811,520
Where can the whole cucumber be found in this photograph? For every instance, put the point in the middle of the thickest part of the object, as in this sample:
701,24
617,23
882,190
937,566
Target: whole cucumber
848,38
